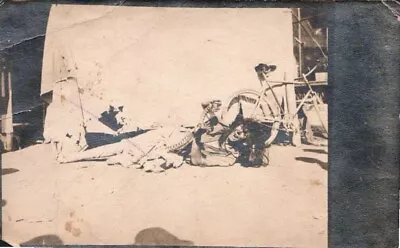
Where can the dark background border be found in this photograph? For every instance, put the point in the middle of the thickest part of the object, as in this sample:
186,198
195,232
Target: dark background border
364,68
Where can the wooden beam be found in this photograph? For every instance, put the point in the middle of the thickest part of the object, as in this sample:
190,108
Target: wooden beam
9,129
3,104
300,45
309,17
3,86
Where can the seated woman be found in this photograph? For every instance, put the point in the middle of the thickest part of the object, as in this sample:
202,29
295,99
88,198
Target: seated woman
242,142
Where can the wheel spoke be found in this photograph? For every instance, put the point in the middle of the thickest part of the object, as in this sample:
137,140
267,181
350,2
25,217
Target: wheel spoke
253,105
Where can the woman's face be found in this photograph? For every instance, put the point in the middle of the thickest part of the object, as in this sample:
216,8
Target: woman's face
239,133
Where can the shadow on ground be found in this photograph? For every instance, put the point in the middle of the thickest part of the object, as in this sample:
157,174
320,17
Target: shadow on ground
100,139
3,203
158,236
321,151
323,165
149,236
44,240
4,244
8,171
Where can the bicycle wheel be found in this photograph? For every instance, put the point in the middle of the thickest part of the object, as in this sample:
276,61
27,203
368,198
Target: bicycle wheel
252,105
207,119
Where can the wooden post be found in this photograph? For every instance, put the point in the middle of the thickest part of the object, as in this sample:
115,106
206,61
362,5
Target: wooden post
9,129
3,86
327,41
2,110
301,43
290,89
3,103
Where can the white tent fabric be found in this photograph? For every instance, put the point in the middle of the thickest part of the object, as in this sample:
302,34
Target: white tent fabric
161,63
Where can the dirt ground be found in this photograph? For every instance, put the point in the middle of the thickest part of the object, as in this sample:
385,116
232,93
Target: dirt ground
284,204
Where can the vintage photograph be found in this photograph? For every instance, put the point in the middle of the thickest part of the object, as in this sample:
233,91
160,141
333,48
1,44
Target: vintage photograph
168,126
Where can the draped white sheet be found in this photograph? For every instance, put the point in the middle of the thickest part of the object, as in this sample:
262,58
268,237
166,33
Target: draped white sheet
161,63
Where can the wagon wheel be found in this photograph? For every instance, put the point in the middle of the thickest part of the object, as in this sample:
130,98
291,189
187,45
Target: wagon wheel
246,102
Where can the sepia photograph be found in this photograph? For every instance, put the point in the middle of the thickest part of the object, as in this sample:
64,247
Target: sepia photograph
167,126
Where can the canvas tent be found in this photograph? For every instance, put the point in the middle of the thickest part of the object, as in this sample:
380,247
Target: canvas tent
159,63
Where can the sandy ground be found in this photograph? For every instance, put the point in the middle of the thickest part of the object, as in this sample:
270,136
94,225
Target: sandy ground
284,204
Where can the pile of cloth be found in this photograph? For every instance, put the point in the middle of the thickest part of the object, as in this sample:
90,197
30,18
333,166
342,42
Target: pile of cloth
208,144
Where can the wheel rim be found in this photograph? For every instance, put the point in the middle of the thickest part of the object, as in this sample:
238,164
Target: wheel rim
247,100
262,113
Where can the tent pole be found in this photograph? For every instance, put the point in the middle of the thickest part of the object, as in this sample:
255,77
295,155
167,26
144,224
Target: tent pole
9,117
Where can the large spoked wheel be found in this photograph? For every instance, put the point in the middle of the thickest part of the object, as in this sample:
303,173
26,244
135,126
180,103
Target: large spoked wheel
252,105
